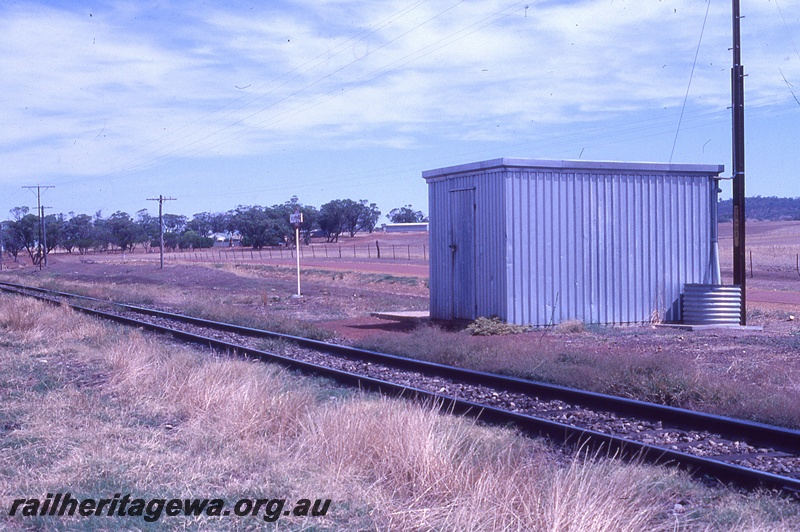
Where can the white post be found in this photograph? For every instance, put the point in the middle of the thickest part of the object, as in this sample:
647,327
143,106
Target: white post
297,219
297,249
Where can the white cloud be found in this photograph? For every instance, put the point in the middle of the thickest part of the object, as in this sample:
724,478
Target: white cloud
134,85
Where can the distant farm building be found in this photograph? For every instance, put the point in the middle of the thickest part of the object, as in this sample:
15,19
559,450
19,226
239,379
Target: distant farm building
226,239
420,227
541,242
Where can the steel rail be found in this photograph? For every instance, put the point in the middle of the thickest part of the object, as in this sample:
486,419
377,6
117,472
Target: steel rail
560,432
759,433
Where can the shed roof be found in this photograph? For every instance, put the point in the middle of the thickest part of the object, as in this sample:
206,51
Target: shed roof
605,166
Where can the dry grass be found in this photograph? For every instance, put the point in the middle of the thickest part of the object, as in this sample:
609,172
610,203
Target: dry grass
233,399
352,279
95,410
690,372
30,323
570,326
429,472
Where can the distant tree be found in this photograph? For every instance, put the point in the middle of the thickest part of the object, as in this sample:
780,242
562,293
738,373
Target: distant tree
763,208
194,240
205,223
54,228
310,218
102,232
10,239
310,222
339,216
20,232
26,232
406,215
258,226
174,223
149,229
18,212
369,216
123,231
79,233
352,216
332,219
172,241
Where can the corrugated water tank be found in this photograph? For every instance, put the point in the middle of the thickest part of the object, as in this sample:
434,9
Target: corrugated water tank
540,242
712,304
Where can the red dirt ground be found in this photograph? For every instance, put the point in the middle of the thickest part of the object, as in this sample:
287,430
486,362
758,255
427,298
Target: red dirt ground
773,294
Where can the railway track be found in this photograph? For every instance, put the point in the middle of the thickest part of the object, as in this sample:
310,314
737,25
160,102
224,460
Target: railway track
731,450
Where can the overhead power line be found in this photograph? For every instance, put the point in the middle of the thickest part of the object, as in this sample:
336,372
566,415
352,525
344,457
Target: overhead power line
320,59
689,85
197,145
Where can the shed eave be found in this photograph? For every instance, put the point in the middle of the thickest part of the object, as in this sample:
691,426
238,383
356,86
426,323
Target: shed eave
709,170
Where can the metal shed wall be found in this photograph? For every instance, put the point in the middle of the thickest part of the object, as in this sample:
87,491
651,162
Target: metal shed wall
550,241
456,293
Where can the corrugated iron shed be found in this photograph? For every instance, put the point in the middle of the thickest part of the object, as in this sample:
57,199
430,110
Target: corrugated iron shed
540,242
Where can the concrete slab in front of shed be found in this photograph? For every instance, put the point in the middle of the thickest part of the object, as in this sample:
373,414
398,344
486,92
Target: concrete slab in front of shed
403,315
691,327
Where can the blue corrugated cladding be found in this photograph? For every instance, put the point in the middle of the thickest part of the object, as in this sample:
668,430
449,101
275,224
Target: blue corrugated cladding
485,289
604,248
554,244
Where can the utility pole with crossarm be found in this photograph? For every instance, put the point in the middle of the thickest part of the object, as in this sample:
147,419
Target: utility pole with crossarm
161,199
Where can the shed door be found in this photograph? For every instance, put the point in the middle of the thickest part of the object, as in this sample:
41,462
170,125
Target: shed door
462,253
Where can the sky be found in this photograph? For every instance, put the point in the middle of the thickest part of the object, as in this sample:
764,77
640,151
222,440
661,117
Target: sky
220,104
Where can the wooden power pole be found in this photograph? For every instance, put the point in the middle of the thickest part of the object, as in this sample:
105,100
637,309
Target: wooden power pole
737,111
161,199
40,215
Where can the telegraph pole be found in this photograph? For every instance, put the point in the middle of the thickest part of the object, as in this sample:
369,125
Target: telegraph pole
161,199
44,234
737,111
39,213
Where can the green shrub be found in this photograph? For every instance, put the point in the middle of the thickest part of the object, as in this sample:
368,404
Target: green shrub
495,327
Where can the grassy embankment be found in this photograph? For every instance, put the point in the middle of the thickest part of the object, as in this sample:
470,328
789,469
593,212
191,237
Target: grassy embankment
95,409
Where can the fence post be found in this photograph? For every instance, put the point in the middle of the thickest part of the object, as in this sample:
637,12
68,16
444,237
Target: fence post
378,248
394,257
751,263
424,256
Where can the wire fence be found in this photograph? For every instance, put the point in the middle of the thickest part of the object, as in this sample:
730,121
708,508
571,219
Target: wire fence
759,262
316,251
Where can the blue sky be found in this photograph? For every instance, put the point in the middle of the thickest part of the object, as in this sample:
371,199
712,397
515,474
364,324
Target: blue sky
226,103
